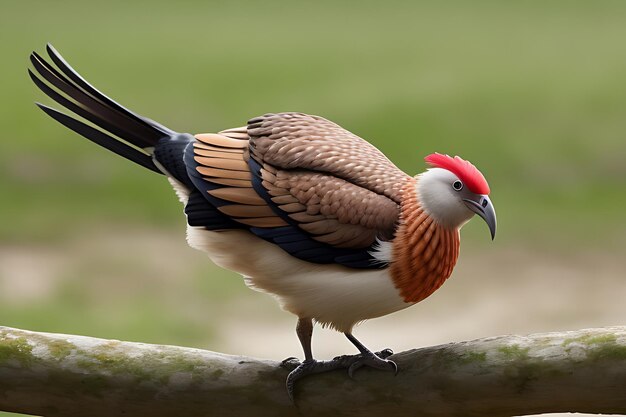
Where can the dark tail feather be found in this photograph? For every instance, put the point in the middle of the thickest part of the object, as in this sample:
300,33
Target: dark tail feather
134,136
101,138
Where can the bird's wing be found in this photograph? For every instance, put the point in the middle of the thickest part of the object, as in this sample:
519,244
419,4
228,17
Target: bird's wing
319,204
216,164
302,141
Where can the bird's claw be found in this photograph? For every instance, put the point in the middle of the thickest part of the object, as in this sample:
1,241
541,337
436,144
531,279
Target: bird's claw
376,360
290,363
308,367
385,353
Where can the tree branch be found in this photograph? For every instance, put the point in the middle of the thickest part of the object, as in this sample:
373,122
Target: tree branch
62,375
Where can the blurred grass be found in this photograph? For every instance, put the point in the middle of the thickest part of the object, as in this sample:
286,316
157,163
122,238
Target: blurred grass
531,92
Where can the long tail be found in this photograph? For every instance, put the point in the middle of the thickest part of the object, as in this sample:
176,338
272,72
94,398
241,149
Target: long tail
124,132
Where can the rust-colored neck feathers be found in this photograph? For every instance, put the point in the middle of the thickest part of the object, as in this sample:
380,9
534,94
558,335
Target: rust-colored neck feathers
424,252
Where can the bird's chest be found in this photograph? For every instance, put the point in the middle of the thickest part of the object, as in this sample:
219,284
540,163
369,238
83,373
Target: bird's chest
424,252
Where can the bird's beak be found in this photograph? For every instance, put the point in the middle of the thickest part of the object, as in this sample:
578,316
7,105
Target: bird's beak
482,206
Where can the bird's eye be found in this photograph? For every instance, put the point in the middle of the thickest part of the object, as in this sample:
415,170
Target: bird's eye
457,185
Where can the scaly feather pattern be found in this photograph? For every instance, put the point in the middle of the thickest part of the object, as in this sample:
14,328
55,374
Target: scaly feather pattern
424,251
301,141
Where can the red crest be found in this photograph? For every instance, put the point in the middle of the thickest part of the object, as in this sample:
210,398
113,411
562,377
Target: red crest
468,173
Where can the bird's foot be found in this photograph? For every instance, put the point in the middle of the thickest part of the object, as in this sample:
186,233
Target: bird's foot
376,360
308,367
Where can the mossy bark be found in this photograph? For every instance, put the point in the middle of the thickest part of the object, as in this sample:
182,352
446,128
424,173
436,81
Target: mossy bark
64,375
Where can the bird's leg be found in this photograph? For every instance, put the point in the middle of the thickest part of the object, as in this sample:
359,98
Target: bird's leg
310,366
304,330
376,360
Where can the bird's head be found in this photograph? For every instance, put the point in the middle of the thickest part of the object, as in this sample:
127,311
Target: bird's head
453,190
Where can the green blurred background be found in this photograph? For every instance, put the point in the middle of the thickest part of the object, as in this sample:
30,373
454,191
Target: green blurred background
533,93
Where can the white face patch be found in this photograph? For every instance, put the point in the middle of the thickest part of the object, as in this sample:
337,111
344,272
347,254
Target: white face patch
440,200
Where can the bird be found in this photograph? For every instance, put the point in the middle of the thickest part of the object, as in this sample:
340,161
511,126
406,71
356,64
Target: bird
303,209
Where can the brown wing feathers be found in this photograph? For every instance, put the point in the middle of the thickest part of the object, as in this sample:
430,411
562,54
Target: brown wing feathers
338,187
333,210
221,159
301,141
332,184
